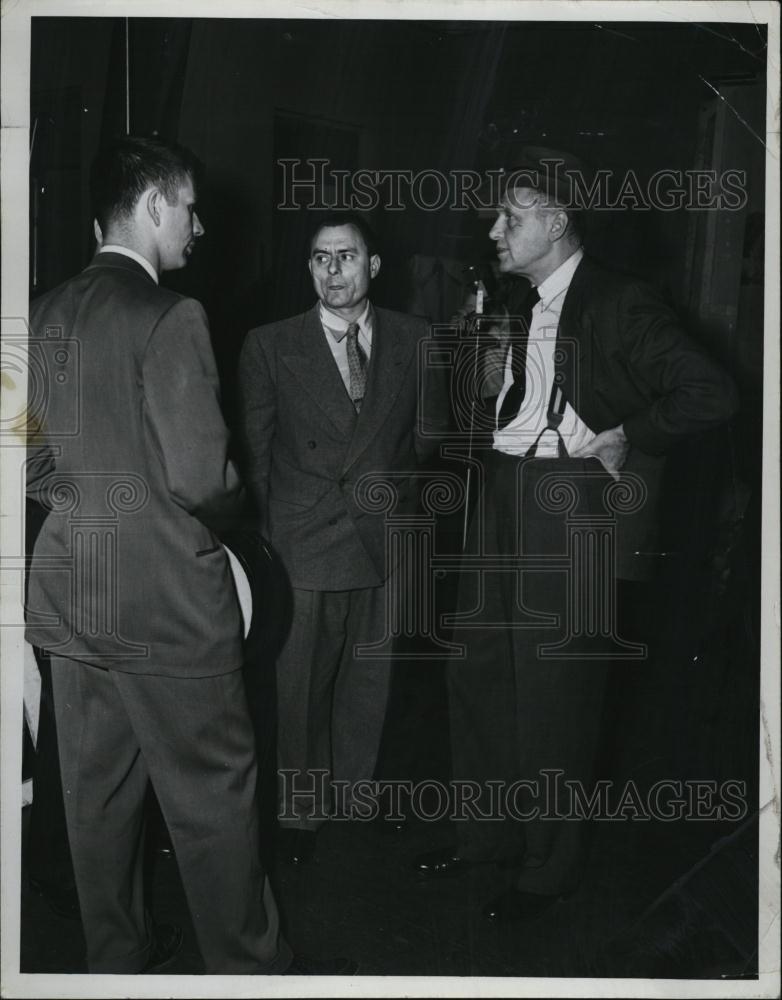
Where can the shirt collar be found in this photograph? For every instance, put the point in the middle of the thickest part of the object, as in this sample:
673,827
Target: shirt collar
559,280
338,327
127,252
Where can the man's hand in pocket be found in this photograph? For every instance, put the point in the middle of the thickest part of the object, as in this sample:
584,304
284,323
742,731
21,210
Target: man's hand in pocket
610,446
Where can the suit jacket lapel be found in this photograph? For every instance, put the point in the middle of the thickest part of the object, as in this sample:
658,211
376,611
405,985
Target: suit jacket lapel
393,350
572,356
311,361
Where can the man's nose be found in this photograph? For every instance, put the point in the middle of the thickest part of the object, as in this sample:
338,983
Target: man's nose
198,229
496,230
334,265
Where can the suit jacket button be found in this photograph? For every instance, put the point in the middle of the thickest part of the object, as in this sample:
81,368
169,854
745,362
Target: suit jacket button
311,444
332,521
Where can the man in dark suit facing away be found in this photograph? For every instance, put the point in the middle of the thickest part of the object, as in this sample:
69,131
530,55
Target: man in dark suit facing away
328,397
130,591
598,383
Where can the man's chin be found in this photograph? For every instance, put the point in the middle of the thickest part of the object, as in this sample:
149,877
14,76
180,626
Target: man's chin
336,301
174,265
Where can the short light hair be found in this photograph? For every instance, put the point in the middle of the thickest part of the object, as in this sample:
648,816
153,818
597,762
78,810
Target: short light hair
124,170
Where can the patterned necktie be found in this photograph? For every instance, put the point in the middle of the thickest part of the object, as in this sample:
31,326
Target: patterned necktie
514,397
357,365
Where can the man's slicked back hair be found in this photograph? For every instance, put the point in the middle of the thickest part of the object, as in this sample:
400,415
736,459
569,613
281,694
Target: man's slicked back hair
335,219
122,172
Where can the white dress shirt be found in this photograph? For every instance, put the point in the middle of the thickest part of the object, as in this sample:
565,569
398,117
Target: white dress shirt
126,252
519,435
336,327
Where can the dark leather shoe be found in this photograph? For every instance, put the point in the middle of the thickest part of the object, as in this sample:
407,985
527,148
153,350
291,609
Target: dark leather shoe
166,943
303,965
296,846
62,900
517,905
439,863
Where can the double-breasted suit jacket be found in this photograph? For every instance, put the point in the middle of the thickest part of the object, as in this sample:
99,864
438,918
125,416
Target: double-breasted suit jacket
306,449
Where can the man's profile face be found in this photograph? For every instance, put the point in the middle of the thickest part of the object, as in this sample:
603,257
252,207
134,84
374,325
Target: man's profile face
521,232
179,228
342,269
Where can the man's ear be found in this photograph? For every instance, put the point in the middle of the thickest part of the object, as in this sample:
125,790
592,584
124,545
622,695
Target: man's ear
98,232
559,225
153,201
374,265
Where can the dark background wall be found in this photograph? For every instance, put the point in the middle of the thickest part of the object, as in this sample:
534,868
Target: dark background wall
442,95
390,95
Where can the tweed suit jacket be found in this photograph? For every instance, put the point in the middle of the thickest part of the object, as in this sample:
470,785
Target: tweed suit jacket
128,452
306,450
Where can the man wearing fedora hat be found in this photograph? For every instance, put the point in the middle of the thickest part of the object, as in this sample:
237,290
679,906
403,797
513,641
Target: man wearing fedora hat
599,382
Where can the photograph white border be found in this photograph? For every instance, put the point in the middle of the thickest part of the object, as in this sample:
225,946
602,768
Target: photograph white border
14,181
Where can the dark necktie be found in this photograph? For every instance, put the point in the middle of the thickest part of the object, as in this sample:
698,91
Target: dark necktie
357,366
514,397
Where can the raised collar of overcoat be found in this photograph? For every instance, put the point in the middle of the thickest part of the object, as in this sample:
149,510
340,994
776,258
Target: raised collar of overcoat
592,287
586,276
307,355
572,357
118,261
573,354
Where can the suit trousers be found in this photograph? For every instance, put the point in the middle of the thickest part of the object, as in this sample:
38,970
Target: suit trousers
193,739
518,714
48,852
331,702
